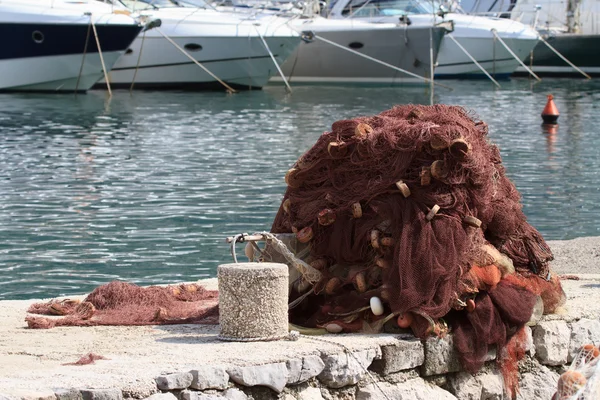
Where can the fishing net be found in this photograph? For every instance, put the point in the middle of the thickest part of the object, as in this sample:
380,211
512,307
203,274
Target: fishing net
582,380
121,303
413,206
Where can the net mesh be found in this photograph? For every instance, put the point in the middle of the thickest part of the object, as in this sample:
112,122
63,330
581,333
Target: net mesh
413,206
582,380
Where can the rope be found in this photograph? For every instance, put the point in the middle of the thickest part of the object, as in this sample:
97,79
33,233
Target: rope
289,88
137,66
564,58
473,59
514,55
87,39
101,57
308,272
229,88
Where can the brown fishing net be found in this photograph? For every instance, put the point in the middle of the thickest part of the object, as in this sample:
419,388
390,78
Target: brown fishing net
120,303
413,206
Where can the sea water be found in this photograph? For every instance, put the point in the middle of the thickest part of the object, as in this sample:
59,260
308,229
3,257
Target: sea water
145,187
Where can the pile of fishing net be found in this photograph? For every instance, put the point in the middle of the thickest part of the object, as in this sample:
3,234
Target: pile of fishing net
411,220
121,303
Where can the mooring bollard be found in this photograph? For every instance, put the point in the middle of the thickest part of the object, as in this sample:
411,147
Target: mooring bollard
253,301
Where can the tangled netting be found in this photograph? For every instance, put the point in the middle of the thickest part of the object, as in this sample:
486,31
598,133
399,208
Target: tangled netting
582,380
413,206
121,303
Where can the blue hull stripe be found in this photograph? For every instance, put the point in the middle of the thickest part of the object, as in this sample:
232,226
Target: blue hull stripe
61,39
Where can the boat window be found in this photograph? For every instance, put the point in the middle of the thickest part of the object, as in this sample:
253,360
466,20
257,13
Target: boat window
370,8
148,4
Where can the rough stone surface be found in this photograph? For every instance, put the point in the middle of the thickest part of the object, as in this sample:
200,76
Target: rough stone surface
101,394
209,378
539,384
301,370
179,380
66,394
551,339
273,376
465,386
25,394
345,369
583,332
406,354
162,396
492,385
529,345
310,393
414,389
264,309
234,394
440,356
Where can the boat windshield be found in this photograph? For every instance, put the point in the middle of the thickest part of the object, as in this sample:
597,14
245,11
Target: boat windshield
146,4
373,8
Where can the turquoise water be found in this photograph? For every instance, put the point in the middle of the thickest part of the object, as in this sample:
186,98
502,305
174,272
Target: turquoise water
145,188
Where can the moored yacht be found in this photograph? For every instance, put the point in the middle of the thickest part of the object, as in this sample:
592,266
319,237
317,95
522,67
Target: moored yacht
53,48
238,49
475,34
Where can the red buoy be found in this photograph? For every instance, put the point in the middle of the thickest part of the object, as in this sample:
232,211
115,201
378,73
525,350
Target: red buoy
550,112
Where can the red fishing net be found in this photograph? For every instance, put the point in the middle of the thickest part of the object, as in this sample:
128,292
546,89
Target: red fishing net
413,206
120,303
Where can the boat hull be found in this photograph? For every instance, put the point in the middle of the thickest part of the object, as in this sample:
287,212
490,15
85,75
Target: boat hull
574,47
405,48
50,56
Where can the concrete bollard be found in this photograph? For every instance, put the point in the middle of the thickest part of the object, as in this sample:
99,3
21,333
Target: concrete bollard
253,301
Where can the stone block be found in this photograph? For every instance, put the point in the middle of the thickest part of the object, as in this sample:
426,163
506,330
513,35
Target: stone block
414,389
66,394
101,394
492,385
273,376
345,369
209,378
310,393
440,356
583,332
539,384
301,370
176,381
234,394
190,395
162,396
465,386
407,353
551,340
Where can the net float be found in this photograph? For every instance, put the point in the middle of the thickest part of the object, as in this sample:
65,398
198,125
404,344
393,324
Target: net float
305,234
382,262
249,251
434,210
319,264
415,113
438,143
362,130
470,305
329,198
376,305
286,205
333,285
387,241
294,229
290,178
360,282
459,148
425,176
375,238
333,328
337,149
439,170
403,187
326,217
472,221
569,383
592,350
405,320
356,210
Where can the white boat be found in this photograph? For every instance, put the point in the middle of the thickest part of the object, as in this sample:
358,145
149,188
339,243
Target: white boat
230,46
473,33
51,47
351,51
